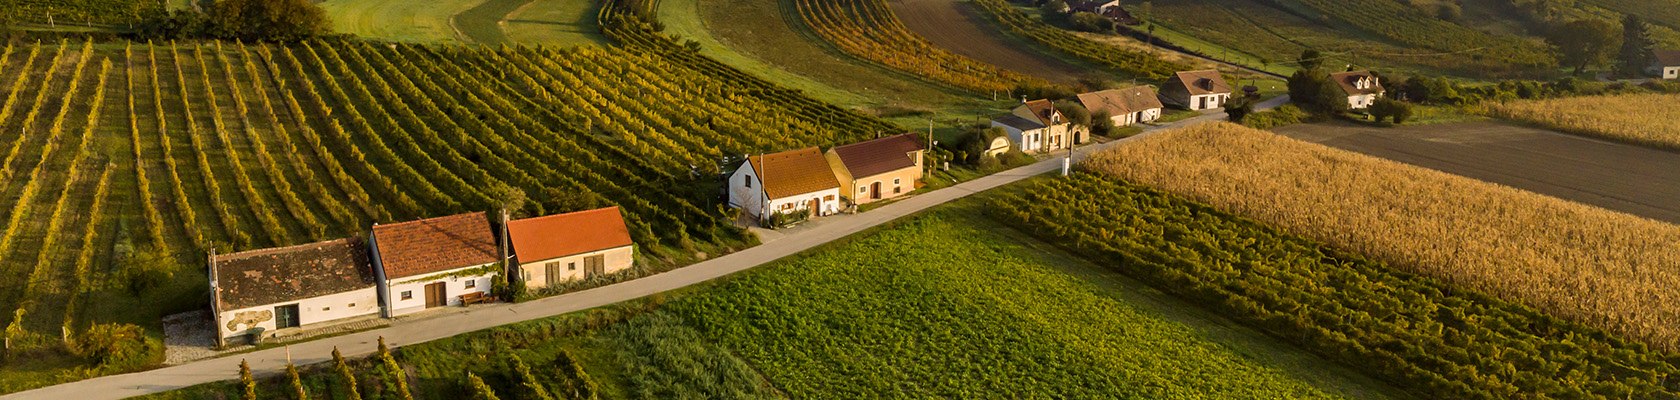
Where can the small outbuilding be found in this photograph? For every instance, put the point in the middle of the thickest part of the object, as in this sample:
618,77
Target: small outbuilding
269,291
1124,106
581,245
878,169
1362,88
1196,90
433,262
789,182
1668,64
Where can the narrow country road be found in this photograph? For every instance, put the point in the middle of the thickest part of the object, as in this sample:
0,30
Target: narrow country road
273,361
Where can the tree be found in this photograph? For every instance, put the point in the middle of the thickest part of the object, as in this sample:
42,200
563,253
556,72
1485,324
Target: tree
1386,108
1315,93
1102,124
1584,43
1329,99
1053,8
1090,22
1636,53
1074,113
149,266
1310,59
265,20
246,381
1238,108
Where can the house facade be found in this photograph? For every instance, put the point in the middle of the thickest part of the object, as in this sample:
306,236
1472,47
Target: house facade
1124,106
878,169
1668,64
269,291
556,249
794,181
1196,90
434,262
1362,88
1037,127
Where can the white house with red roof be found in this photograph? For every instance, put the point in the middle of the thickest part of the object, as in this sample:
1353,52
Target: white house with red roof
789,182
433,262
560,248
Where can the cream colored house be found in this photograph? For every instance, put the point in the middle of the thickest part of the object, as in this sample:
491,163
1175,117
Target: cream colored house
1362,88
283,289
1037,127
794,181
878,169
560,248
1668,64
1196,90
433,262
1124,106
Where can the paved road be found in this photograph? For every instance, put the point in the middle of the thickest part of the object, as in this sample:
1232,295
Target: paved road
273,361
1621,177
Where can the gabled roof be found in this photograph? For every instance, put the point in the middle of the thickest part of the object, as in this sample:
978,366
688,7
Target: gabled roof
285,274
1202,82
1346,81
1041,109
1019,123
1117,102
560,235
1668,58
794,172
434,244
879,156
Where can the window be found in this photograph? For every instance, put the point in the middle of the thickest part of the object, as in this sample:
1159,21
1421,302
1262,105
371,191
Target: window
472,283
895,181
747,180
351,305
408,295
897,190
863,189
828,198
787,206
571,266
326,308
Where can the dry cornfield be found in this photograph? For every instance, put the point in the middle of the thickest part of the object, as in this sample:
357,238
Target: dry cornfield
1602,268
1650,119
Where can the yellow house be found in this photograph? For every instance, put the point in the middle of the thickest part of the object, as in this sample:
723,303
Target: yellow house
878,169
560,248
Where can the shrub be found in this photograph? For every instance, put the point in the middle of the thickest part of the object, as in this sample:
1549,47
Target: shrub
248,383
480,390
1090,22
118,347
298,391
1287,114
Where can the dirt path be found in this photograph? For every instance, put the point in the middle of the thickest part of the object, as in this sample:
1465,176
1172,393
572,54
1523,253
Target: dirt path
1615,176
961,28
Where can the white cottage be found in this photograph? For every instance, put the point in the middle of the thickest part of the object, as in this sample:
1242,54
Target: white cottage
560,248
1036,126
270,291
794,181
1124,106
1196,90
434,262
1668,64
1362,88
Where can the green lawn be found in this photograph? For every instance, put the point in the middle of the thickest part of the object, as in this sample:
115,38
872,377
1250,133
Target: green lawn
554,22
399,20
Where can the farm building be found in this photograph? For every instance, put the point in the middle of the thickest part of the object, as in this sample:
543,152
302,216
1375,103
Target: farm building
1124,106
1036,126
433,262
878,169
564,247
789,182
1196,90
268,291
1668,64
1107,8
1362,88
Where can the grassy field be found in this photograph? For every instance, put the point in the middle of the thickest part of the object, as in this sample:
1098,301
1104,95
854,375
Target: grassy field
554,22
1629,118
949,304
1582,263
400,21
115,153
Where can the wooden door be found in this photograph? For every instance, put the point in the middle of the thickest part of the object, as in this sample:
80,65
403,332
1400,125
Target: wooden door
594,266
436,295
814,206
875,190
551,273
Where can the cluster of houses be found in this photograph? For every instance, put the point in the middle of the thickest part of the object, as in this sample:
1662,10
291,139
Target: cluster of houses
1036,126
408,267
808,182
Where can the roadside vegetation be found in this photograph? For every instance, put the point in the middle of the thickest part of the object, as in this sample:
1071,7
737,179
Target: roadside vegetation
1580,263
1620,117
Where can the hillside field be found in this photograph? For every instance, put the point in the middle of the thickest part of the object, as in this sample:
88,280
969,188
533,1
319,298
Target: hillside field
1633,118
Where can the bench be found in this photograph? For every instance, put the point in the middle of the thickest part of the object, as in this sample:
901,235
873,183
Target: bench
475,298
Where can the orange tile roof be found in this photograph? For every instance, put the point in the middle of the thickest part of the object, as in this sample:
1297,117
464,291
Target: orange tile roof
794,172
560,235
435,244
879,156
1044,110
1202,82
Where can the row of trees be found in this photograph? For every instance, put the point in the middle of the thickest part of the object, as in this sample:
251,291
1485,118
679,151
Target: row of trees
249,20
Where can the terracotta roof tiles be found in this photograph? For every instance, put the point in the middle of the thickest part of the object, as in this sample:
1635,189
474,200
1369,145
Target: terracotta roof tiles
435,244
1117,102
879,156
794,172
560,235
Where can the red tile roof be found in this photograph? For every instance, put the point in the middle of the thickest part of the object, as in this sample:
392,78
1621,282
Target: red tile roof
1202,82
560,235
794,172
1117,102
879,156
286,274
434,244
1044,110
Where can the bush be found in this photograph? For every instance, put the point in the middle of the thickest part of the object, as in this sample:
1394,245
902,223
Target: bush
1386,108
1090,22
118,347
1283,115
148,268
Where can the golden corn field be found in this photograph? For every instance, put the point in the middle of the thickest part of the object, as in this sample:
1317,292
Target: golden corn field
1649,118
1602,268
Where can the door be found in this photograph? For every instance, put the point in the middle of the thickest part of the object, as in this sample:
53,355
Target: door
436,295
814,206
551,273
1201,102
875,191
286,316
594,266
